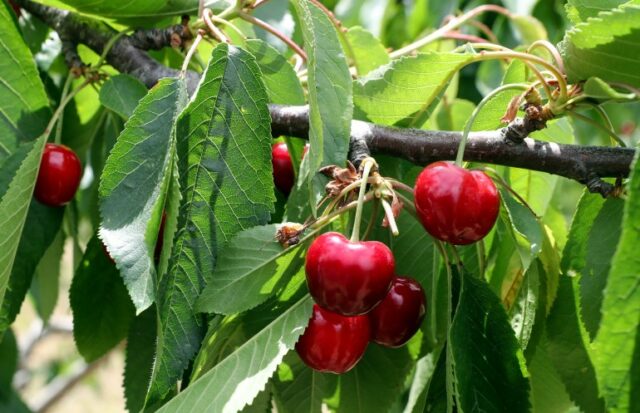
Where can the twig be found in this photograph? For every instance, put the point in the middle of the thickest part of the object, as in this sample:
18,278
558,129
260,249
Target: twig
267,27
217,33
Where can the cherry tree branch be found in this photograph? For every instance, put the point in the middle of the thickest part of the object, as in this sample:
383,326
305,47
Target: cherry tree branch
585,164
508,146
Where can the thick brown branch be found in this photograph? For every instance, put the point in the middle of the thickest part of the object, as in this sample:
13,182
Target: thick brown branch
585,164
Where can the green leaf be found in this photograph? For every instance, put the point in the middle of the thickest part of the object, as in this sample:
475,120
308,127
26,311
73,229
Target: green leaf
522,311
453,115
486,357
548,394
8,363
330,98
529,28
375,383
581,10
45,284
14,404
14,207
253,267
237,380
224,160
297,388
136,8
524,224
23,102
280,80
133,185
596,88
567,339
606,46
102,310
369,52
407,87
40,228
616,338
139,358
121,94
601,246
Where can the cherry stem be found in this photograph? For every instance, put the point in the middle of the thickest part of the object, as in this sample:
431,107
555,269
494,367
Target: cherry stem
506,186
388,211
553,51
372,220
476,112
366,169
190,53
215,31
451,25
60,110
603,128
65,91
400,185
324,220
217,19
267,27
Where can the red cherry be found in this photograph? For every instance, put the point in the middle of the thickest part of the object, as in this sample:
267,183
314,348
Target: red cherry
332,342
454,204
283,176
397,318
59,175
347,277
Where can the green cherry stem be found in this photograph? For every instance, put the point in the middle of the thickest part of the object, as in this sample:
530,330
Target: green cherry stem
366,169
192,50
476,112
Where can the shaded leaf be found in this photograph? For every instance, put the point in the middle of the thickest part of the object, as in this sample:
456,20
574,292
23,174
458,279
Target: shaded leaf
601,246
224,161
280,80
330,99
616,337
139,358
369,52
121,94
8,363
606,46
102,309
44,287
133,187
254,265
239,378
41,226
487,371
406,87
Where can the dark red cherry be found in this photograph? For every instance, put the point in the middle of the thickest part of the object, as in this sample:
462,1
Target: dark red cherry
397,318
347,277
456,205
59,175
16,8
332,342
283,175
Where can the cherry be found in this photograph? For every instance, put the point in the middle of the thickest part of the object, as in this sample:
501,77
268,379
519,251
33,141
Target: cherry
59,175
332,342
16,8
454,204
283,175
397,318
347,277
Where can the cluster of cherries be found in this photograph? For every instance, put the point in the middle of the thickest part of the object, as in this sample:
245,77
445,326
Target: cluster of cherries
358,296
358,299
